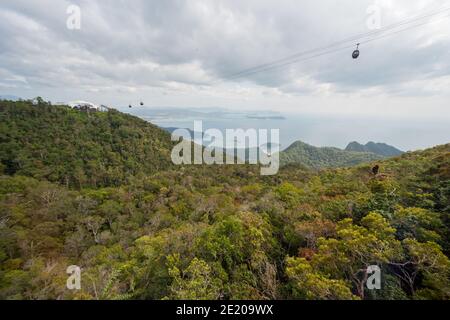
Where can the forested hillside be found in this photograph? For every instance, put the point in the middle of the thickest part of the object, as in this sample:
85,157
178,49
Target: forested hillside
78,149
212,232
325,157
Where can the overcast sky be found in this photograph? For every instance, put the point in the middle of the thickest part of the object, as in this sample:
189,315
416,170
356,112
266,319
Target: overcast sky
178,53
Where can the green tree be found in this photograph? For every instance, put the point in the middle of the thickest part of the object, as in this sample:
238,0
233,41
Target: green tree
196,282
311,285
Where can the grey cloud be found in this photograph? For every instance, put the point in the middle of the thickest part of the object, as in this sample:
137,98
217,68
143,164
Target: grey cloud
141,43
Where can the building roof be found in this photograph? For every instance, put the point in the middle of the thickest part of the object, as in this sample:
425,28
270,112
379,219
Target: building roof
80,103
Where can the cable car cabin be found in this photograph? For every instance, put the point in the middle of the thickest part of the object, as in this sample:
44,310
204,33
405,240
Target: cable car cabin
355,54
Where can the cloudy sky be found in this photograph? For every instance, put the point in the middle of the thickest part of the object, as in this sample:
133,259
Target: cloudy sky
181,53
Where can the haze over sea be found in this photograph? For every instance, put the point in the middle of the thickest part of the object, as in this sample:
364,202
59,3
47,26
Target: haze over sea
319,130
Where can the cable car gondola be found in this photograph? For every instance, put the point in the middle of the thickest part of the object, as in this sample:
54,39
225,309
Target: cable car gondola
355,54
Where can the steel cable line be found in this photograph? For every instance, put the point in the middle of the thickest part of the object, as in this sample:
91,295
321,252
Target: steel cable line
300,59
296,56
353,38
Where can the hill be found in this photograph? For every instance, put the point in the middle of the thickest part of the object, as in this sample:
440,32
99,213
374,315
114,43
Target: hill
224,232
381,149
77,148
324,157
142,229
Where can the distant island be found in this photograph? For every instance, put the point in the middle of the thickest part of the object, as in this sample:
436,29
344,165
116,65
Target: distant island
173,129
266,117
9,98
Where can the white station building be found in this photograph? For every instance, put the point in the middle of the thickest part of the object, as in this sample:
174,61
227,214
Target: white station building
87,106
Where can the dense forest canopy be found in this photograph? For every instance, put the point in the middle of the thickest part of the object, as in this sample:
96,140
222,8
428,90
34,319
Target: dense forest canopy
65,146
98,191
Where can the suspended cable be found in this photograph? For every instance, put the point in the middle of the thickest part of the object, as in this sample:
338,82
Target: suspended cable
300,59
294,58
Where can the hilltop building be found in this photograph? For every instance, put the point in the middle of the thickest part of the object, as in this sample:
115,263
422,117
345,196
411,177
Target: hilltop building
87,106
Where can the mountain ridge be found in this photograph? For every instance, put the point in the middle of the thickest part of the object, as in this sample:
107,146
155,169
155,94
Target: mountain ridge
382,149
324,157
